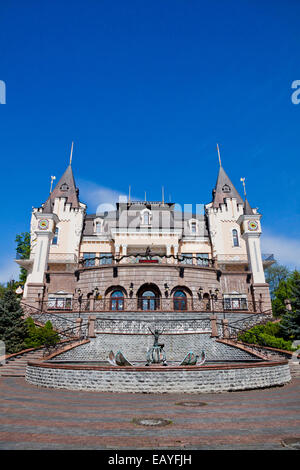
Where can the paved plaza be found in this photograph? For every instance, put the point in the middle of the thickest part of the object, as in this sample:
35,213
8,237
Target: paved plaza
40,418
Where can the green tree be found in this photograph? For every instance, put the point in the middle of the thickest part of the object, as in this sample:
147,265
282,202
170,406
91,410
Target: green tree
274,275
290,323
23,252
283,292
13,329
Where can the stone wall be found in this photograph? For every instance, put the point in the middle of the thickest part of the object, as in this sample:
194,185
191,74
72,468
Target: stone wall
163,380
102,277
135,346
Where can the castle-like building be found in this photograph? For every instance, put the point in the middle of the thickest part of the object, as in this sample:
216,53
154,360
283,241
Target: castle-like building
146,256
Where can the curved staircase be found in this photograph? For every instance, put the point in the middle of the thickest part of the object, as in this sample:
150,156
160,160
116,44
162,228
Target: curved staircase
15,365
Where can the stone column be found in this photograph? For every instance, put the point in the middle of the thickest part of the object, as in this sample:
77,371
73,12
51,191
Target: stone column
91,326
214,328
78,326
225,328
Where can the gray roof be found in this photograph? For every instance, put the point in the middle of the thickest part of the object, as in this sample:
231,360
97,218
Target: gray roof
163,217
65,188
224,189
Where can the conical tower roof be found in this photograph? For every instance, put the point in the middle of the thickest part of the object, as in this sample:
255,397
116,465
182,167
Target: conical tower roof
247,208
224,189
65,188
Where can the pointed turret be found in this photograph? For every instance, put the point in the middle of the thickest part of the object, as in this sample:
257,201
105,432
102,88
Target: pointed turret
65,188
224,189
247,208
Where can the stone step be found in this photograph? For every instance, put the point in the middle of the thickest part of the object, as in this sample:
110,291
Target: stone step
16,366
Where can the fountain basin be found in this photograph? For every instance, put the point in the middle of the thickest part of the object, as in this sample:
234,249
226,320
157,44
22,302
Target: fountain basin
157,378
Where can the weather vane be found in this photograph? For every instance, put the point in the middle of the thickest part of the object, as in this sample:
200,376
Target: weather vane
52,178
243,182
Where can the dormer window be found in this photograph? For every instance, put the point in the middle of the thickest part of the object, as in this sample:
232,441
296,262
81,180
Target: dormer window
98,225
146,217
64,187
193,225
226,188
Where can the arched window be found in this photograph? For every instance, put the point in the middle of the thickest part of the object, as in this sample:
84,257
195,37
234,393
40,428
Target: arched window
117,300
180,300
148,300
145,217
235,237
98,224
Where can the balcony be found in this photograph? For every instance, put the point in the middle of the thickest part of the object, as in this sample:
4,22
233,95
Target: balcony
62,258
109,259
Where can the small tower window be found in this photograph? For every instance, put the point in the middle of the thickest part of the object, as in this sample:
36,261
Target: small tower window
235,237
55,238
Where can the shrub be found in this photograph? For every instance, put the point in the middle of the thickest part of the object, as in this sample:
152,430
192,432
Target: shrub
40,336
266,335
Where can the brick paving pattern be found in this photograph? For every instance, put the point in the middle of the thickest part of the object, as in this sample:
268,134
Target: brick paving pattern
41,418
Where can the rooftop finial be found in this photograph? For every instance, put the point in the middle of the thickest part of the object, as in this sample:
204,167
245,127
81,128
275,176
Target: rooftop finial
162,194
219,155
244,184
71,155
129,193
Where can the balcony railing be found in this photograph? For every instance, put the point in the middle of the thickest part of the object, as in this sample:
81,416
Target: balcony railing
151,304
152,259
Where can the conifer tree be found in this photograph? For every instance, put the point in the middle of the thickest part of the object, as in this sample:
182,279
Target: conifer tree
13,329
290,323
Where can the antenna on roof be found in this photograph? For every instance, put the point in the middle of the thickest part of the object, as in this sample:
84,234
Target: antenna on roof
129,193
71,155
162,194
145,197
219,155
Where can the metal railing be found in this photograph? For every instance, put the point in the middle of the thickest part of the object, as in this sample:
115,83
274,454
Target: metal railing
153,258
151,304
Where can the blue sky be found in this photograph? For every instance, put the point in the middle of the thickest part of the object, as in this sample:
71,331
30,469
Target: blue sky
146,89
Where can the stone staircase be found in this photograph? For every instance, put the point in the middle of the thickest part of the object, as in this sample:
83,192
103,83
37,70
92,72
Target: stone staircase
16,365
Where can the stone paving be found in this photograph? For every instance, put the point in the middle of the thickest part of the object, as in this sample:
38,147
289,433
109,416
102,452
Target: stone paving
39,418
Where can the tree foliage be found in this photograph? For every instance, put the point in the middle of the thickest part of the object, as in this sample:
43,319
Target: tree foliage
274,275
23,252
290,322
269,335
13,329
40,335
